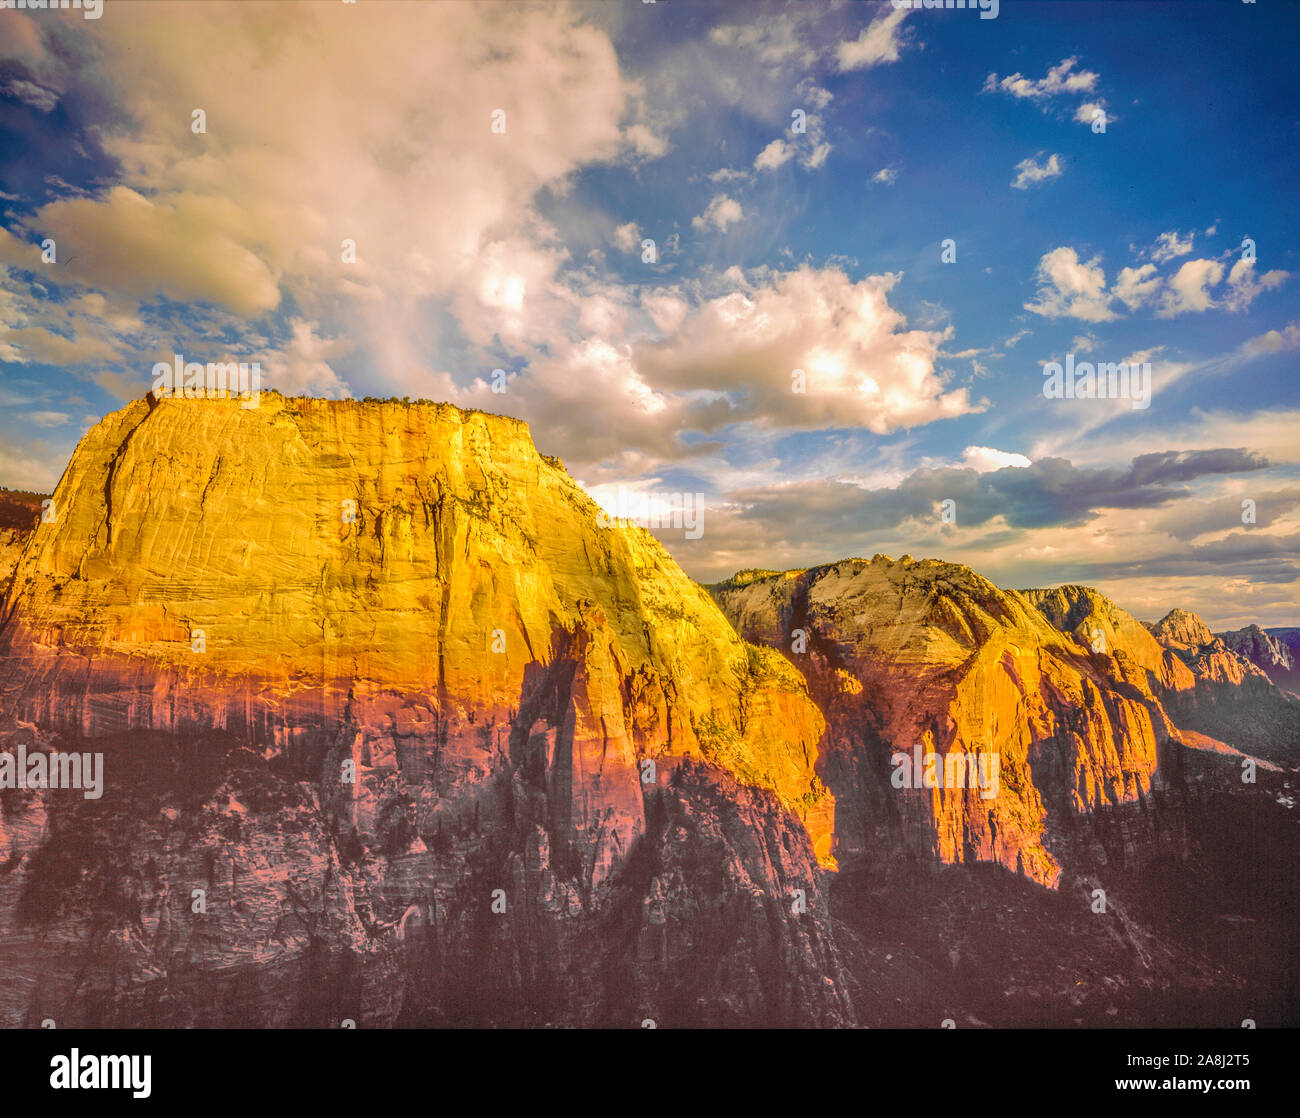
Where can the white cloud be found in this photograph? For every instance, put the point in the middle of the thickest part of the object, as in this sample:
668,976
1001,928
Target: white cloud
187,248
729,174
1060,79
1029,171
809,92
880,41
643,142
1170,245
1243,286
628,237
720,212
1276,340
886,175
1070,288
860,364
816,156
301,368
667,310
1188,290
48,418
776,154
1136,286
440,207
776,40
1091,111
985,459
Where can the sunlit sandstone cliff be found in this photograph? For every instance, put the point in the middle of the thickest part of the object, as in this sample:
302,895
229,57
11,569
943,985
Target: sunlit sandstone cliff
433,674
377,690
1061,684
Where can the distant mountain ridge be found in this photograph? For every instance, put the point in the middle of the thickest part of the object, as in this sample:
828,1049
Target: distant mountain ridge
1276,652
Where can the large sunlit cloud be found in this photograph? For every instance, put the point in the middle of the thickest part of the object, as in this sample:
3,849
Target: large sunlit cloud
391,150
810,348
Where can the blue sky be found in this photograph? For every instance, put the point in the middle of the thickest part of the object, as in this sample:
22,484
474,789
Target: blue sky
775,249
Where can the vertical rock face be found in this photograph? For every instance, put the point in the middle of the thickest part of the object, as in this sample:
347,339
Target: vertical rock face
908,657
1182,629
377,679
1268,652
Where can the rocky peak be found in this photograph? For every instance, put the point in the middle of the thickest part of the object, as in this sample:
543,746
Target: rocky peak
1258,647
1182,630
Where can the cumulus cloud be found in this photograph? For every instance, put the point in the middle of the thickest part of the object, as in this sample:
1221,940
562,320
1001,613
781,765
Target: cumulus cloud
1029,171
880,41
1061,79
1275,341
628,237
1068,287
810,146
1243,286
886,175
302,366
1136,286
720,212
1188,290
859,363
983,459
1170,245
186,247
775,155
438,204
1089,112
